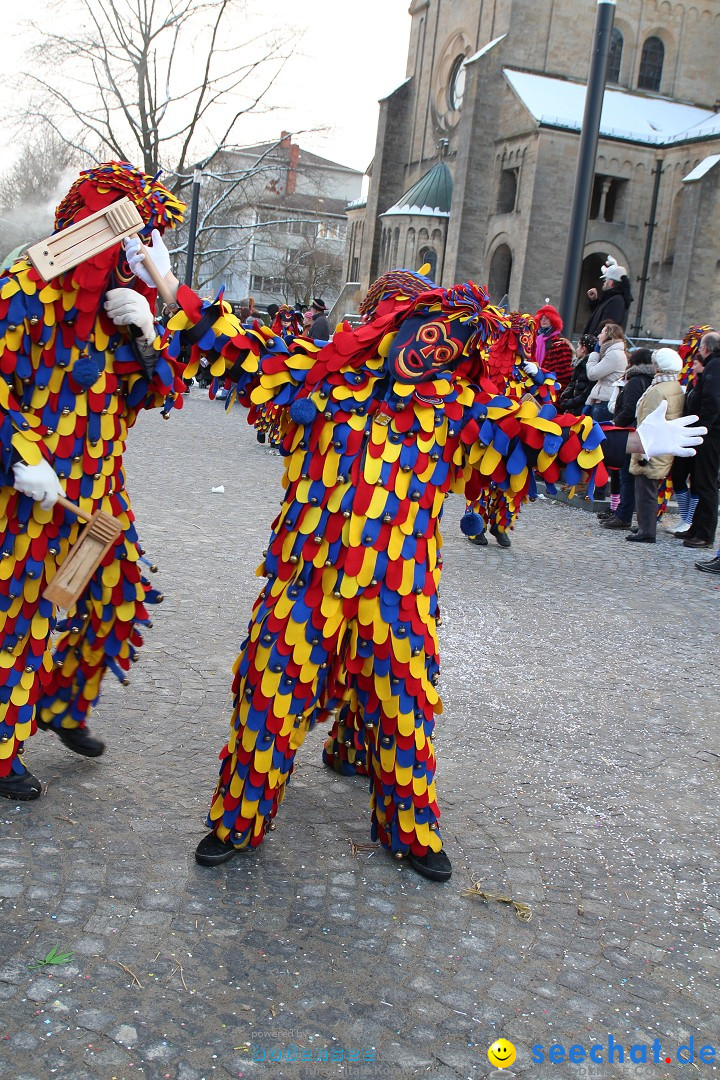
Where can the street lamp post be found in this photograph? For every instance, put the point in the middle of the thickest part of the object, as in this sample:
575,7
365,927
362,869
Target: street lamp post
190,260
587,153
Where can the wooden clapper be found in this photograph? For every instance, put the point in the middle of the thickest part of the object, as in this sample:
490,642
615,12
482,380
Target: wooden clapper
57,254
85,556
94,234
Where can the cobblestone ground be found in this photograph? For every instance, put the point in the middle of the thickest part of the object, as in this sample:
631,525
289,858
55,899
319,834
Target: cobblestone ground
578,773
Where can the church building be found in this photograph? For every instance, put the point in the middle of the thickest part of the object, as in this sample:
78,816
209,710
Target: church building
476,154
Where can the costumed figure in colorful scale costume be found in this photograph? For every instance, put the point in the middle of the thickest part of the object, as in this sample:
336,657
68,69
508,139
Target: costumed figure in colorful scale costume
72,383
383,421
514,375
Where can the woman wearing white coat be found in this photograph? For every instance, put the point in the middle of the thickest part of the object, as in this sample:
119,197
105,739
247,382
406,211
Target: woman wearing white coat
604,367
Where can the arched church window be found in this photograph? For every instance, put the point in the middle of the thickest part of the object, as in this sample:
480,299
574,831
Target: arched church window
429,256
651,64
457,83
615,56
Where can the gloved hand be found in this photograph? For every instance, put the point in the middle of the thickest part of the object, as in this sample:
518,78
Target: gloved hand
134,250
129,308
661,436
529,368
40,482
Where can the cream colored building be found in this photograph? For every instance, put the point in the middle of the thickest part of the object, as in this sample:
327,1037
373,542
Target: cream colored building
476,152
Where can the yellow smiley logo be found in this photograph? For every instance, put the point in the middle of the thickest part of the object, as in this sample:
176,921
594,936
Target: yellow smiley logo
501,1054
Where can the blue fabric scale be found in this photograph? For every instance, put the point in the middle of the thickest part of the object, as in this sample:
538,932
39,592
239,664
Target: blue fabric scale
517,460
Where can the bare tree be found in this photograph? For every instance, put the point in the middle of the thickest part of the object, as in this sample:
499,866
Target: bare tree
161,83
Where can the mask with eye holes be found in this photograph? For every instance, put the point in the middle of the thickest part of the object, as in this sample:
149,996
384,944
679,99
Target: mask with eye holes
427,344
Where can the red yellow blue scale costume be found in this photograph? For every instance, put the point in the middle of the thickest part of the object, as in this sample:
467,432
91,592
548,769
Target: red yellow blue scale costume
71,387
383,422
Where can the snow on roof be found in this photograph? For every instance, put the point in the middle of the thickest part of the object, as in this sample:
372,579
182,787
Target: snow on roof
485,49
699,171
633,117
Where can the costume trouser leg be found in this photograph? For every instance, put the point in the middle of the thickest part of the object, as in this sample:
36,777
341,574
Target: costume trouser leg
279,691
31,544
101,632
344,749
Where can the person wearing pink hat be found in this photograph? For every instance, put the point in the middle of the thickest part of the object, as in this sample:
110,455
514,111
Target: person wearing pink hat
553,352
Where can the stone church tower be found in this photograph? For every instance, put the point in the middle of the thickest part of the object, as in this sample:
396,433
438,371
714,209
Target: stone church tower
476,153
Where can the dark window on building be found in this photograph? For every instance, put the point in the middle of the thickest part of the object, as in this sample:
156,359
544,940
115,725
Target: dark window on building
651,64
615,56
500,274
608,197
355,271
429,255
507,191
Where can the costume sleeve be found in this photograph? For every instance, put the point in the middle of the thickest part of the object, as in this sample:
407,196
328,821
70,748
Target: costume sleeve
256,365
559,361
507,443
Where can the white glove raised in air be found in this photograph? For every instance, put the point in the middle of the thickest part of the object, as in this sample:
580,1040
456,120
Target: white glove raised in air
40,482
529,368
135,252
129,308
661,436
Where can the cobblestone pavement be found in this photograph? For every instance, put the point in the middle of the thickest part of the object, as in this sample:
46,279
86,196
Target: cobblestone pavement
578,773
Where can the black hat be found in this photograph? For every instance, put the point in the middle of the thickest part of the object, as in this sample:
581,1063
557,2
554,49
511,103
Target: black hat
319,304
272,310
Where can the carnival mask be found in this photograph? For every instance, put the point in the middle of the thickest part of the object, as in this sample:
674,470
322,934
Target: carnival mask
426,344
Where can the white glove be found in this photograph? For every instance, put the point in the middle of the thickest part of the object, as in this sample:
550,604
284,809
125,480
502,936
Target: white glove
135,252
529,368
40,482
127,307
661,436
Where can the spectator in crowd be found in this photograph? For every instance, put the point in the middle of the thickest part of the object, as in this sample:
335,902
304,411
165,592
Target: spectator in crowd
648,472
320,329
553,352
638,377
272,310
707,462
573,397
605,366
613,302
681,470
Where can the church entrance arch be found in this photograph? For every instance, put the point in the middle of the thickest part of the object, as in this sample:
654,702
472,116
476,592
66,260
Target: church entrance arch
500,273
589,279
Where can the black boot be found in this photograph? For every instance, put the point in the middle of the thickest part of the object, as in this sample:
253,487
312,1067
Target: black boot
211,851
501,537
20,786
480,539
433,864
77,739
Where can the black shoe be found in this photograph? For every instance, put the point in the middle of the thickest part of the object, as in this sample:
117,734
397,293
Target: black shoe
502,538
480,539
604,515
80,741
712,567
23,787
211,851
260,436
616,523
696,542
640,538
682,534
433,864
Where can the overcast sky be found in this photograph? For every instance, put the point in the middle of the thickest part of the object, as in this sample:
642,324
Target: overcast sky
346,57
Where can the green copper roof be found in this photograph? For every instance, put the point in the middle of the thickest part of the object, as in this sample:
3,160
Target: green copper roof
431,195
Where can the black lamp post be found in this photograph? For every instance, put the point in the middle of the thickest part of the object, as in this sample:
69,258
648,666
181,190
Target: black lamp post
587,154
197,179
